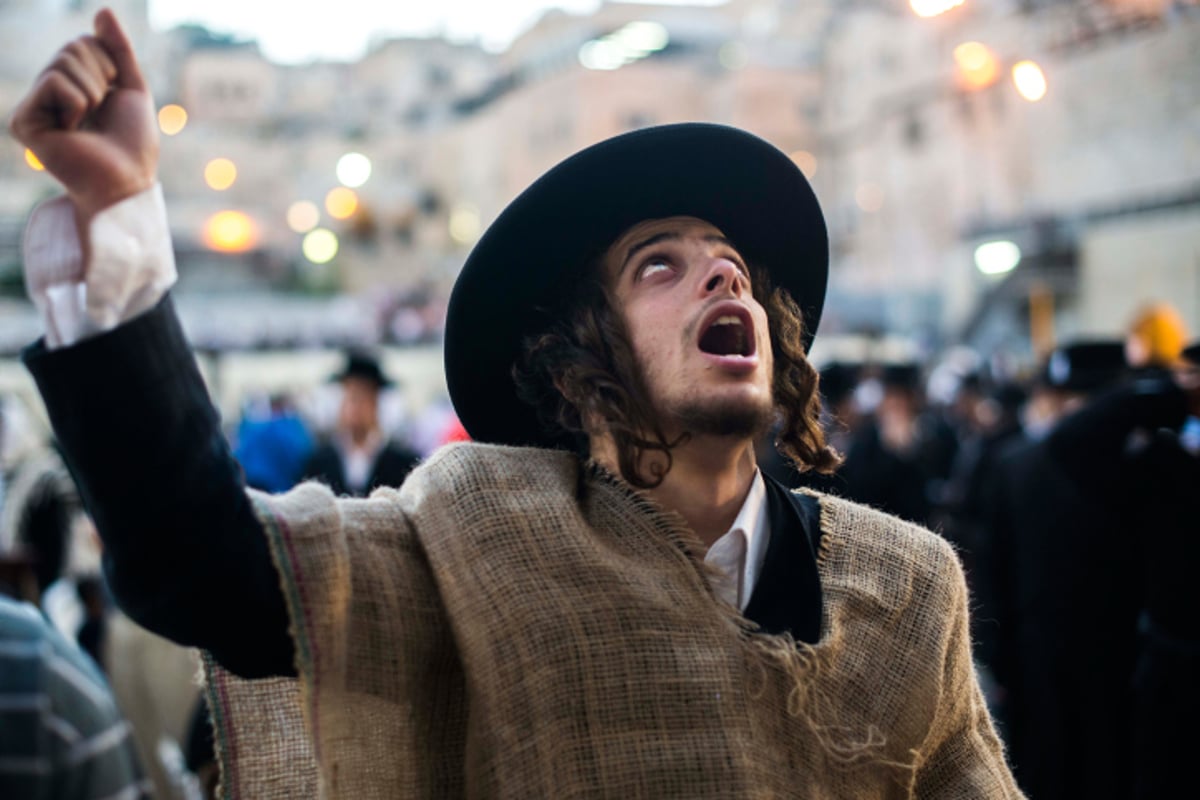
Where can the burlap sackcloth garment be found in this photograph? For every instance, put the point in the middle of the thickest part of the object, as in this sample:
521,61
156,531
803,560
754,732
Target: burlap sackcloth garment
512,623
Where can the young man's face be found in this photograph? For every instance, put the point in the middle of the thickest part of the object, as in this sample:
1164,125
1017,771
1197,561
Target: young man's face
699,336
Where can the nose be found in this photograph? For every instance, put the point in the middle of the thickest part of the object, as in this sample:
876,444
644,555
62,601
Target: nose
723,276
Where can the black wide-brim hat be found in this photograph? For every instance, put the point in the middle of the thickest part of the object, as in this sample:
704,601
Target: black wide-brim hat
364,366
547,237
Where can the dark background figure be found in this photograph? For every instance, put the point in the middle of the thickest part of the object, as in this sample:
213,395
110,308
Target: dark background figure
996,418
1148,430
200,751
274,450
359,456
1066,556
885,461
839,419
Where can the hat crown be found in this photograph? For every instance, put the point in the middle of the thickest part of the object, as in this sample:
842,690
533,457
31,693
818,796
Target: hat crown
364,366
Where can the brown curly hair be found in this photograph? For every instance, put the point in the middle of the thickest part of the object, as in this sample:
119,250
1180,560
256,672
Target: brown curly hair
583,370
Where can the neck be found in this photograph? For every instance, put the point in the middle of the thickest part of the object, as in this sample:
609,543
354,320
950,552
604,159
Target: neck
360,437
707,484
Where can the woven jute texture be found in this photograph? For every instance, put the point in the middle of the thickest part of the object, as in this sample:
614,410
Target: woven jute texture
512,623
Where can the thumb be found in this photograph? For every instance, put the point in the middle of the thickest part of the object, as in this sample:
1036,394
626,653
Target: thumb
112,37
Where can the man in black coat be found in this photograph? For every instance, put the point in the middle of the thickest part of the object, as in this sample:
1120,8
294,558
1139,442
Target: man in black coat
1062,577
359,457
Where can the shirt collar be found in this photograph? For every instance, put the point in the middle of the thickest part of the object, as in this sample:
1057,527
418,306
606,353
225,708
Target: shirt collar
751,528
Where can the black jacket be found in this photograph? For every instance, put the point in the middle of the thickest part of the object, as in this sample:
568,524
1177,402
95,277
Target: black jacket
391,467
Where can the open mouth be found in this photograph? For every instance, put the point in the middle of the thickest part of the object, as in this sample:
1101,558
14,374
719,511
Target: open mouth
729,334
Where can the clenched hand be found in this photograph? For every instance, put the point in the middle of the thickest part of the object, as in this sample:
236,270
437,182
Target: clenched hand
89,119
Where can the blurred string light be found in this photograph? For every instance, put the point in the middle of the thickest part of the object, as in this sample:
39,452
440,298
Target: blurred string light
320,245
220,173
931,8
230,232
733,55
627,44
1029,80
353,169
33,161
303,216
977,66
465,224
806,161
172,119
997,258
869,197
341,203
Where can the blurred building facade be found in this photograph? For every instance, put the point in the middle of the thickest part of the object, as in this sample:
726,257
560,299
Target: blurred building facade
919,146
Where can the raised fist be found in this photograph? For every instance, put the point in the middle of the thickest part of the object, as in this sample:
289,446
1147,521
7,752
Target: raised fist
89,119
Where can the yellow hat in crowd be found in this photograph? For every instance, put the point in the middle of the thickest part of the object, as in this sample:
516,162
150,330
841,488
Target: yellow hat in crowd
1156,337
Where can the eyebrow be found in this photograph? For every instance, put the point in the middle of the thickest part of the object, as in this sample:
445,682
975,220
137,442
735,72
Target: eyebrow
666,236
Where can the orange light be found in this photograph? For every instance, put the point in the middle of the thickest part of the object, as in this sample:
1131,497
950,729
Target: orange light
220,173
33,161
806,161
341,203
1029,80
172,119
977,67
230,232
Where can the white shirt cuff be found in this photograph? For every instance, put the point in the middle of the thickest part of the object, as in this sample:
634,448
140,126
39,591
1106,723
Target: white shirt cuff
132,265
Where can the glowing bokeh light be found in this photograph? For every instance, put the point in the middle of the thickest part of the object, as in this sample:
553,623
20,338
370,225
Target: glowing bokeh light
172,119
977,66
303,216
320,245
869,197
806,161
32,161
931,8
353,169
1029,80
219,174
465,224
733,55
341,203
230,232
997,258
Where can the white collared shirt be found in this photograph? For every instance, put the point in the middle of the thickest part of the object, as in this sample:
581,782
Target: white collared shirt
740,553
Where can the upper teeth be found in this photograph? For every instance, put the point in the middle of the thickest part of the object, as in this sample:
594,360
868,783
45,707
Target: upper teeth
728,319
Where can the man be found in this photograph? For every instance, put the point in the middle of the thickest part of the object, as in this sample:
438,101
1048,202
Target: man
359,457
1049,588
61,736
1124,449
613,604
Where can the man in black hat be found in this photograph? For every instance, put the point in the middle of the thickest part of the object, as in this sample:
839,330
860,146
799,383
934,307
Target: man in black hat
360,457
1073,525
1121,454
603,596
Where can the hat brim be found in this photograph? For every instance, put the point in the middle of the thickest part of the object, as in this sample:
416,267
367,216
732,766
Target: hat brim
552,231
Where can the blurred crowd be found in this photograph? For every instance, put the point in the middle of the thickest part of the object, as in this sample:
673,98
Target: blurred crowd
1065,490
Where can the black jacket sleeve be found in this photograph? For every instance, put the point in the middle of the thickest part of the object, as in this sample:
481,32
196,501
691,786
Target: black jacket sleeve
184,553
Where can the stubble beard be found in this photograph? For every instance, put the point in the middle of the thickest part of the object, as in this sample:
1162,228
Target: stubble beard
728,418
